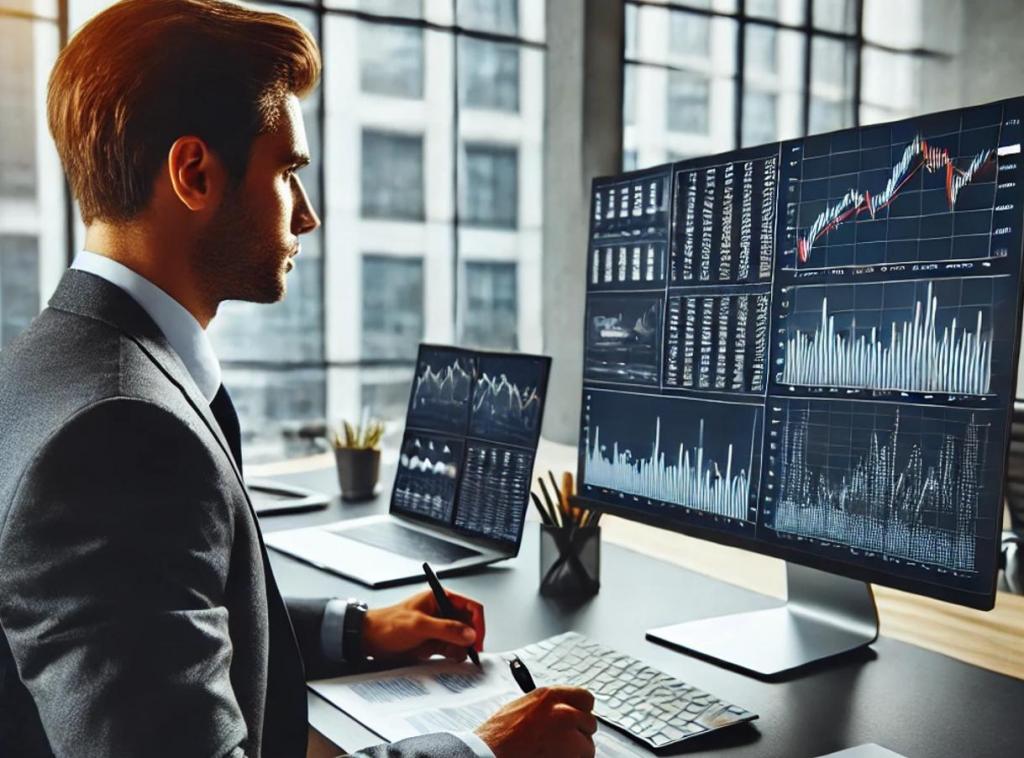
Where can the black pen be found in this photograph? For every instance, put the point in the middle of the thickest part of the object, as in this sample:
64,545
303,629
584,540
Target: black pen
445,606
521,674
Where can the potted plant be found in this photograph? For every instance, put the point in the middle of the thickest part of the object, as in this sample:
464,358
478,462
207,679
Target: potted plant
357,452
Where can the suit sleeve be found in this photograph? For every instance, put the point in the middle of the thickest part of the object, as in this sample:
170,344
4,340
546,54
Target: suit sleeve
113,564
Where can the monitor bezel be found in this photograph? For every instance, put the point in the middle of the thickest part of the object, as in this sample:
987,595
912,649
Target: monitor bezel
979,600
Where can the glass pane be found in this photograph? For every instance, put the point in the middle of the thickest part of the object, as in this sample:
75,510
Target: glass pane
785,11
391,60
761,51
392,319
497,16
833,63
281,411
384,392
32,234
491,306
19,284
832,72
689,35
392,175
488,74
629,95
490,189
760,117
836,15
401,8
774,73
18,163
689,100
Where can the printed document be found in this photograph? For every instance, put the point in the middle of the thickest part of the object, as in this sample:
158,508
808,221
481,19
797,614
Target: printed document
442,697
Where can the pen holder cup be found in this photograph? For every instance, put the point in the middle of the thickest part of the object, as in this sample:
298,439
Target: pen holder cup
570,561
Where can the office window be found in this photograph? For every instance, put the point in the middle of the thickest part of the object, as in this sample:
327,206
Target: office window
489,74
19,285
392,175
392,306
17,110
32,229
391,60
491,189
491,306
688,102
861,59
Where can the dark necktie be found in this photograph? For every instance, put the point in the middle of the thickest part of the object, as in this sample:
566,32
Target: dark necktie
224,411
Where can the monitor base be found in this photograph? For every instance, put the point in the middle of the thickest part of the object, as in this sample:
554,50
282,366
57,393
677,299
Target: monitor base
825,615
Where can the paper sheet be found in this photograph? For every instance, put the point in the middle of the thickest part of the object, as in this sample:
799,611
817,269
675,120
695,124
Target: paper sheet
441,697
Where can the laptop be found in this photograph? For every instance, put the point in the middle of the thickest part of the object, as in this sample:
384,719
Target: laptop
462,483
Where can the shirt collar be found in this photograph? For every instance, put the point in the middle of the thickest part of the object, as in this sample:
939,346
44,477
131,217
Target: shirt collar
184,334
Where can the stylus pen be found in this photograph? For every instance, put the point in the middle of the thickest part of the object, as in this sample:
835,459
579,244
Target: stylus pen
521,674
445,606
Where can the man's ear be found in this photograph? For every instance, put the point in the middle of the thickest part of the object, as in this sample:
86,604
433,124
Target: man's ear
196,174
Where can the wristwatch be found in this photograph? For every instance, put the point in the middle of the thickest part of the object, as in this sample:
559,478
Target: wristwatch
352,631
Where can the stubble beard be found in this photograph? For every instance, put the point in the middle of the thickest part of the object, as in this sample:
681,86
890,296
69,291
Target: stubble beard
238,261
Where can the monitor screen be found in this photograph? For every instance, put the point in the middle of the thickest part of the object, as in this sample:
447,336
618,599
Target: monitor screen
809,348
471,437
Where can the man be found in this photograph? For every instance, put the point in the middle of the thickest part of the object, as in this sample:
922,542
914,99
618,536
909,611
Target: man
138,610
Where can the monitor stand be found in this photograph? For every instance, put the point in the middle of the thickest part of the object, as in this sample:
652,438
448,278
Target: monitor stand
825,615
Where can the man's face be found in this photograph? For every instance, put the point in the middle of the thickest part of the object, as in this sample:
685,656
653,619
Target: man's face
246,251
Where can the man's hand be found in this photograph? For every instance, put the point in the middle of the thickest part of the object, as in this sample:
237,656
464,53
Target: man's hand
413,630
550,721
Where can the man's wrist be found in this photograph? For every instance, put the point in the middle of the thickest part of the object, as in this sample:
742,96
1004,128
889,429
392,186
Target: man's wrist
352,631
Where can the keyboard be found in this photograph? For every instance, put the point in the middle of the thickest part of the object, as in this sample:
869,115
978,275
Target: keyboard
647,704
408,542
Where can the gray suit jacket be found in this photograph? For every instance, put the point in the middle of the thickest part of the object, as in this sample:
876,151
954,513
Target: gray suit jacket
138,611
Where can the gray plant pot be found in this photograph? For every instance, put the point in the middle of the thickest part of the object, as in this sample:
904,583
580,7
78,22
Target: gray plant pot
358,471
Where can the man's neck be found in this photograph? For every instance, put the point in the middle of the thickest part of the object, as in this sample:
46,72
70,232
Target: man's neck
159,261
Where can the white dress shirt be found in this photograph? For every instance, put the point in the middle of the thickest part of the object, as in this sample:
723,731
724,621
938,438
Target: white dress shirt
189,340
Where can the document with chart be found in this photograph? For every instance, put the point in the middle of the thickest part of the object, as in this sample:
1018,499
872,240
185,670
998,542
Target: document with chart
813,344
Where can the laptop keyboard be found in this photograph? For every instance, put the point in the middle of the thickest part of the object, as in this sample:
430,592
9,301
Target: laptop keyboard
646,703
408,542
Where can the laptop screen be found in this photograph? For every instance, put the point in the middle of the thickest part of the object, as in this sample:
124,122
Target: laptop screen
471,435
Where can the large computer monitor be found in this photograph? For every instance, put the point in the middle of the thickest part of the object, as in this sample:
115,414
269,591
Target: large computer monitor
808,349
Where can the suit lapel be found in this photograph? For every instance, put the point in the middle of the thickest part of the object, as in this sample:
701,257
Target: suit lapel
92,296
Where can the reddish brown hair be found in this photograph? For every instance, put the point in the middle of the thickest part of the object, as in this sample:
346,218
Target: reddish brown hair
143,73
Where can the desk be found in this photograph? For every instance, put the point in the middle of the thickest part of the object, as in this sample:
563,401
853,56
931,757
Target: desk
911,700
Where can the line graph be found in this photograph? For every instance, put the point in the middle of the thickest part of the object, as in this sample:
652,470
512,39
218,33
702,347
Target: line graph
918,155
441,390
508,399
917,336
927,191
687,453
900,481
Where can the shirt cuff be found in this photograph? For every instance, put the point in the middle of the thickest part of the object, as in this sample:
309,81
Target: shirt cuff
331,630
474,743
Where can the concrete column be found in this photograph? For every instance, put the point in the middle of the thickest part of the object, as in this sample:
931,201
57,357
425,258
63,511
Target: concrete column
582,139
